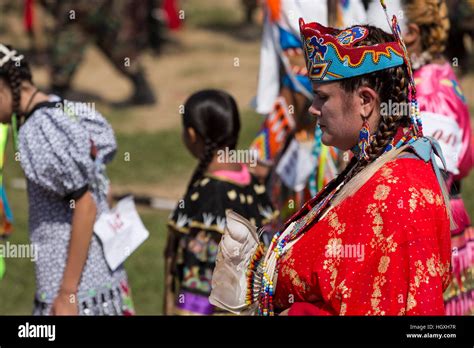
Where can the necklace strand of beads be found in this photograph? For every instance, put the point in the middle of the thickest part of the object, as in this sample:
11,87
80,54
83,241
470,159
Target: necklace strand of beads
278,248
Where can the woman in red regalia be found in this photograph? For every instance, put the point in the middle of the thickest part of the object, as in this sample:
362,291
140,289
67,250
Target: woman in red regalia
375,240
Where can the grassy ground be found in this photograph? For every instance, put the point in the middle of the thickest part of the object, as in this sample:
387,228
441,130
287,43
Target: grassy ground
158,158
151,137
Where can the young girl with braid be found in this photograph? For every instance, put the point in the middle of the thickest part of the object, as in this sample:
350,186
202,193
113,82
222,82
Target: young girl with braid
63,147
211,124
376,239
446,117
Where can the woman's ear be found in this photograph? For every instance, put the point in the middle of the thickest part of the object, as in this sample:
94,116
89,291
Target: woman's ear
368,99
192,136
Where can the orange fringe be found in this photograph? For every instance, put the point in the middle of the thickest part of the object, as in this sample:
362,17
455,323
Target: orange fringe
274,7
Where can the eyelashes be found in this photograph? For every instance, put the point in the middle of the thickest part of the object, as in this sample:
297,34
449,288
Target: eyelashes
321,97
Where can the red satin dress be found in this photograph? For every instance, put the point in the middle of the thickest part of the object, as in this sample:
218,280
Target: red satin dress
383,251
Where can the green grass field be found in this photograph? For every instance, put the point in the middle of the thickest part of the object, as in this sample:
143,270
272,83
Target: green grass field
154,158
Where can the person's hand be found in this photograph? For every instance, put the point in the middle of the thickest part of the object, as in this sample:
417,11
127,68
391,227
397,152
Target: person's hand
65,304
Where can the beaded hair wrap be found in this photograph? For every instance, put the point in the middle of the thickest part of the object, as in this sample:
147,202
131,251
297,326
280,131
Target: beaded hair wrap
415,121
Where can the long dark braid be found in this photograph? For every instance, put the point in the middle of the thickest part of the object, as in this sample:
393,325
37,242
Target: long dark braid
397,89
390,84
209,150
214,116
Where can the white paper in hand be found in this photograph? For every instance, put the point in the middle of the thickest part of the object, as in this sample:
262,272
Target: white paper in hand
121,231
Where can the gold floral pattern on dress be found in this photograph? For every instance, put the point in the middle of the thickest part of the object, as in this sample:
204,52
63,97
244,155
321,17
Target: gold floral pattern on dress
288,270
428,194
433,268
381,192
333,247
335,224
379,281
287,259
343,293
331,263
386,173
415,199
411,302
422,197
436,267
421,276
383,264
379,241
430,263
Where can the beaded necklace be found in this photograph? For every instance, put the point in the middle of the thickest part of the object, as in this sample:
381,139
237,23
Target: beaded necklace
263,269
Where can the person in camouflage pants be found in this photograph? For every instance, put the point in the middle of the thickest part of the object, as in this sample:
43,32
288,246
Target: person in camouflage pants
118,28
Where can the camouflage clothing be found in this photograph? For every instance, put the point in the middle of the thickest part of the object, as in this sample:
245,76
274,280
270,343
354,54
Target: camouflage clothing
117,27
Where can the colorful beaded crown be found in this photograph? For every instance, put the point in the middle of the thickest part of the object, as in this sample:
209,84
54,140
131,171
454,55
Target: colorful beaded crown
330,53
331,56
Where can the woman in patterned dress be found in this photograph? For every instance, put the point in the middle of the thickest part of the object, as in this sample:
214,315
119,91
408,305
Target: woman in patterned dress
63,147
376,239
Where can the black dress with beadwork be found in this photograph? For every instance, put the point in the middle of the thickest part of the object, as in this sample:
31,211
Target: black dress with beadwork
198,224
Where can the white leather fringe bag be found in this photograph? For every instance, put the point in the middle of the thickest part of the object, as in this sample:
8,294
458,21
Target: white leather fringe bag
229,280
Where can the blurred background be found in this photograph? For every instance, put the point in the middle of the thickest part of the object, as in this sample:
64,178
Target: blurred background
195,44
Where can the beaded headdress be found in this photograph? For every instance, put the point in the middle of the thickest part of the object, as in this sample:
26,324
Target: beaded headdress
330,53
331,56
